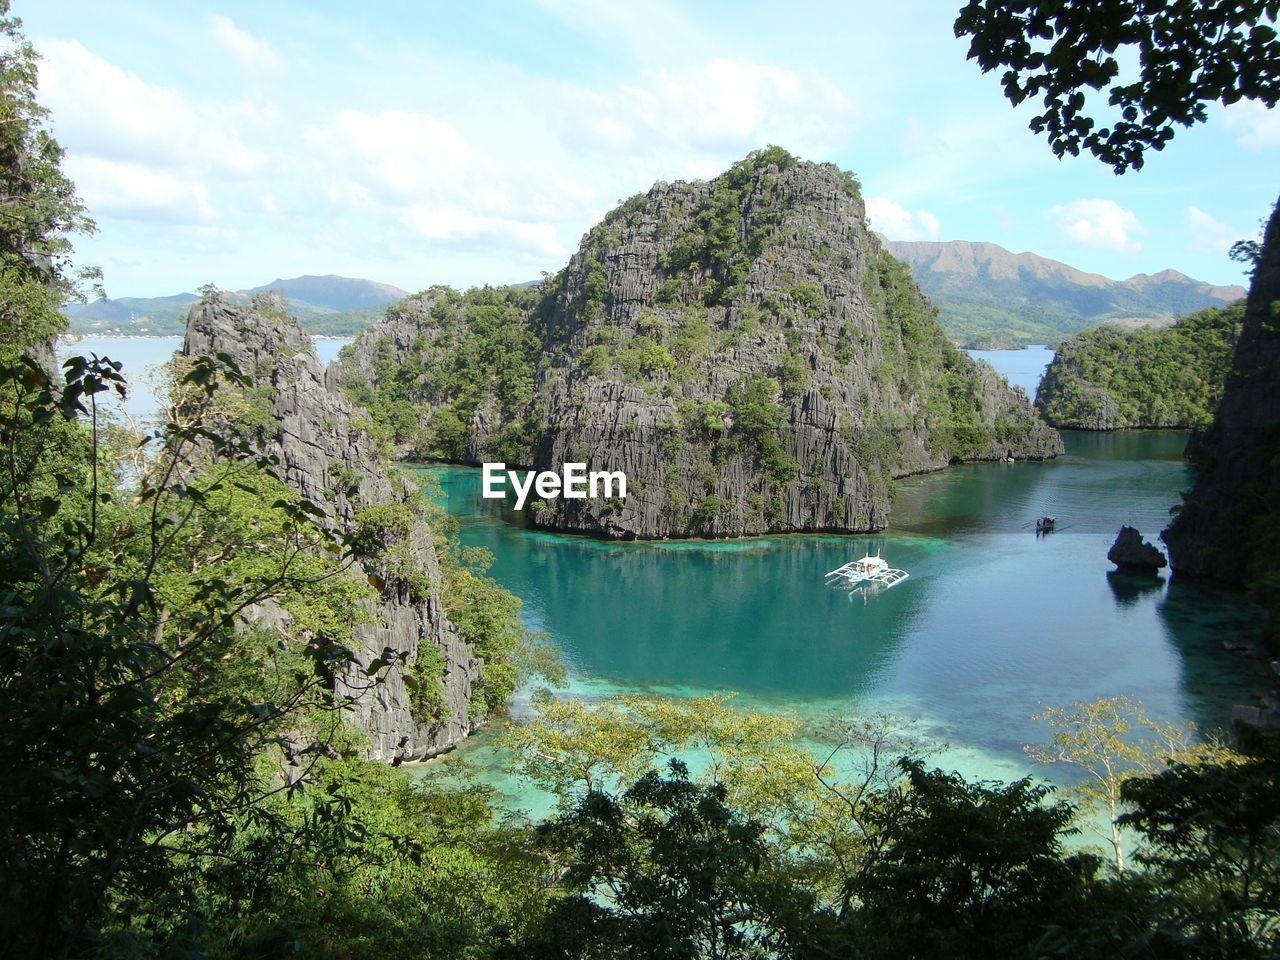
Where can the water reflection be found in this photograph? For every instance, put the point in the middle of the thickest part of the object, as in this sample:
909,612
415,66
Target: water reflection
1201,621
1129,587
753,615
994,622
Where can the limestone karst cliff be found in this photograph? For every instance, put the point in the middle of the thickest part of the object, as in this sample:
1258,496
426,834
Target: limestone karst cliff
742,348
328,458
1227,527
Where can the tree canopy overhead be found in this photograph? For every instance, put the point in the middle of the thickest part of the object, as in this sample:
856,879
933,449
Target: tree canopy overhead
1188,54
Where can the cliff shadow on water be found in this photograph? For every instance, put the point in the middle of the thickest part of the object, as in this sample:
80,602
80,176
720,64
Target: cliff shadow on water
1215,633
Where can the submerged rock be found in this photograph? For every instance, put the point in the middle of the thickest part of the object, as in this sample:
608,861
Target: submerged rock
1131,552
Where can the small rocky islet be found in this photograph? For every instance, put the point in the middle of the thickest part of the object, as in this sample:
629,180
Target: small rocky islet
743,348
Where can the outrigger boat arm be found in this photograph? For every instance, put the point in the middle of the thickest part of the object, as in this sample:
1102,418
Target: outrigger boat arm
859,571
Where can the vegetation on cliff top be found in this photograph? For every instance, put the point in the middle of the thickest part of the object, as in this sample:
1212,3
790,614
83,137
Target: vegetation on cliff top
1172,377
468,348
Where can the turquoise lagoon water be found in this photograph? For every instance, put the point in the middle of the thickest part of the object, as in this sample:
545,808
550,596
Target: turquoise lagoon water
994,623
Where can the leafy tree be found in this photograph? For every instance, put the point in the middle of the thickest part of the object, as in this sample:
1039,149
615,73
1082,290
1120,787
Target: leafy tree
39,208
817,810
373,864
135,708
759,419
1212,850
1112,740
1188,55
667,870
967,870
571,748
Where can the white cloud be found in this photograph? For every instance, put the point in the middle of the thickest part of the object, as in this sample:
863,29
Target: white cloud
395,155
1256,126
139,192
251,51
212,239
721,105
452,224
420,172
425,176
1103,224
1209,235
104,111
898,223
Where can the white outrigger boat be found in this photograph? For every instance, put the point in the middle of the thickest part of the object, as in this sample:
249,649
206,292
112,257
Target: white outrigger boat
867,572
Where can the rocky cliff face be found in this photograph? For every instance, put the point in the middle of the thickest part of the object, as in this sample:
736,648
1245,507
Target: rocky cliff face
1228,527
330,460
1066,399
743,349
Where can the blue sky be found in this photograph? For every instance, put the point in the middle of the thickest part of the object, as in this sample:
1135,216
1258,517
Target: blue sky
469,143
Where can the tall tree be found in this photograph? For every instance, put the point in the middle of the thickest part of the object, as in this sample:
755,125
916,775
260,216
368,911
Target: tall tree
39,209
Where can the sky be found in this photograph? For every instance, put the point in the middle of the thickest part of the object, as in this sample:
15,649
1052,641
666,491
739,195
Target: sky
423,143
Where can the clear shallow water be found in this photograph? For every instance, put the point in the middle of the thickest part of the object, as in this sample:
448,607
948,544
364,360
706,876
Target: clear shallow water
993,623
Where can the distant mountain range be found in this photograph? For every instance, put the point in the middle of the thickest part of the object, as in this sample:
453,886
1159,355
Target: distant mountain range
328,305
989,297
986,296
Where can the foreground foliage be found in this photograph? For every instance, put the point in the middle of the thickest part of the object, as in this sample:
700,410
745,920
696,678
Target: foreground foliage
179,782
1159,65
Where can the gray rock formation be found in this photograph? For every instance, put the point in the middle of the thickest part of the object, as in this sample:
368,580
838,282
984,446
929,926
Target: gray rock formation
1131,552
315,434
1226,528
1066,400
744,350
